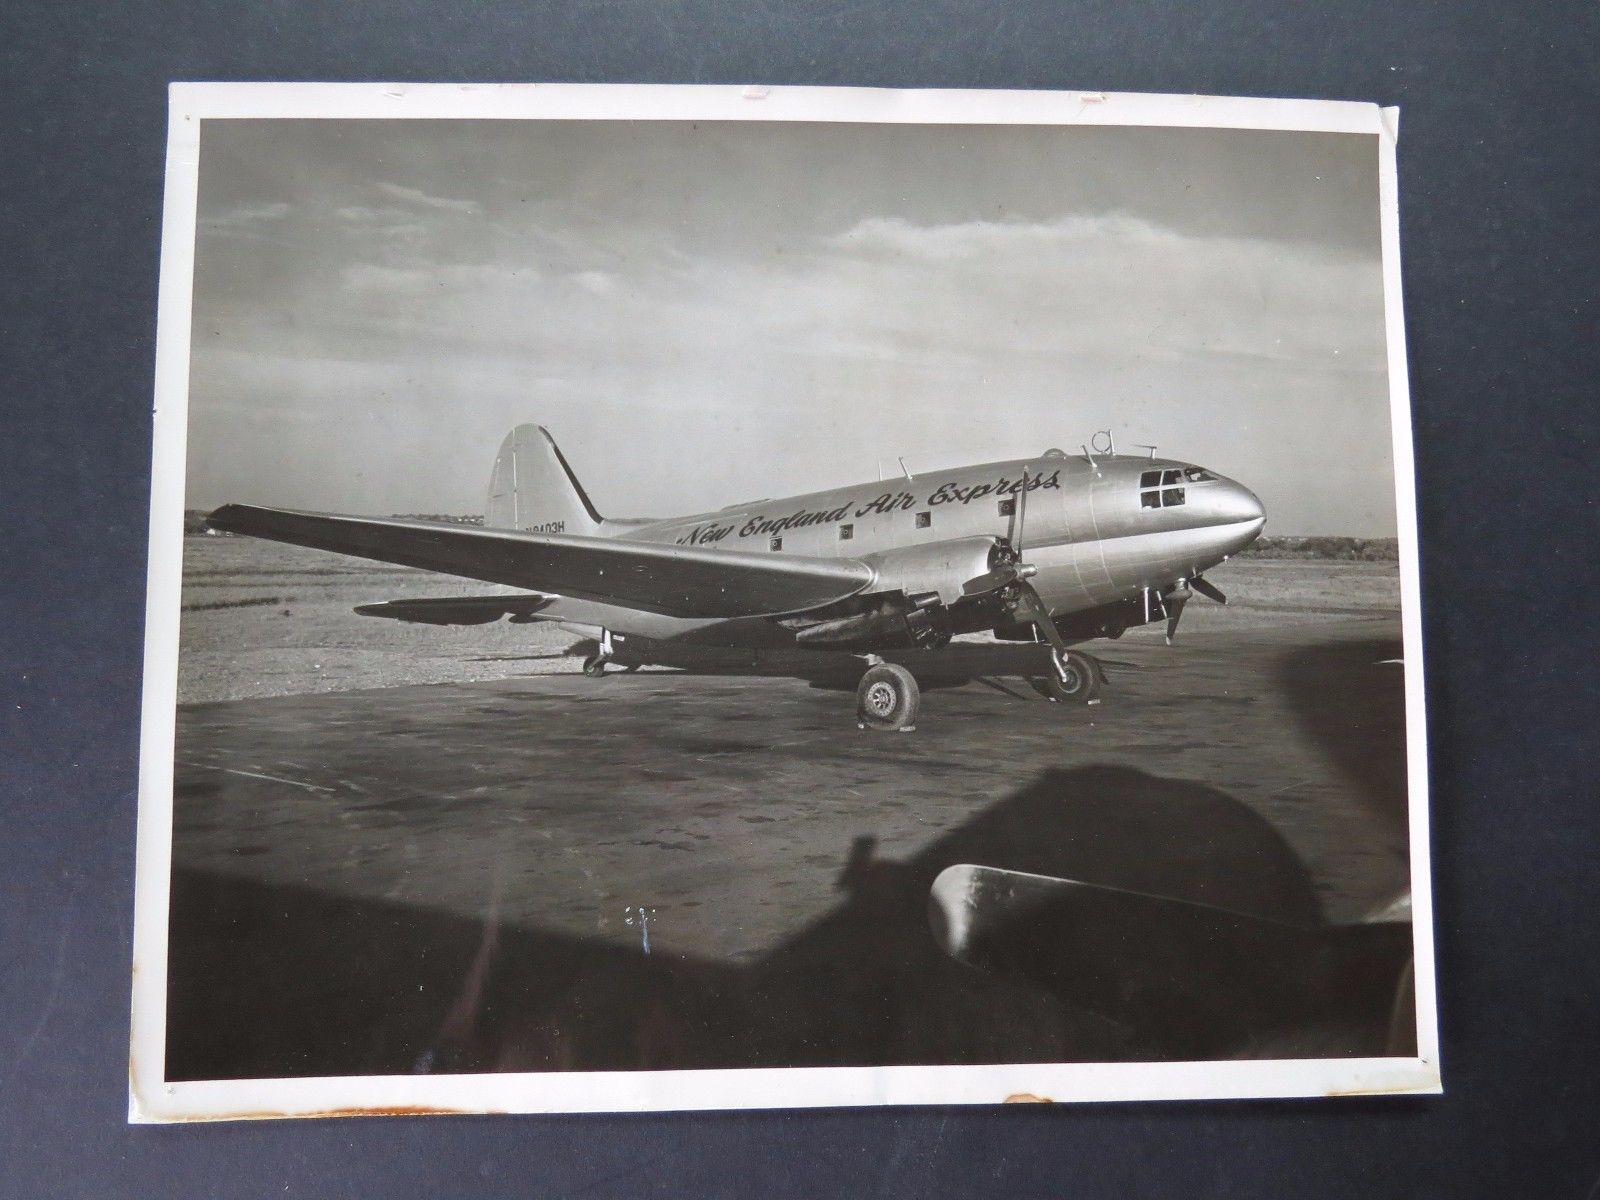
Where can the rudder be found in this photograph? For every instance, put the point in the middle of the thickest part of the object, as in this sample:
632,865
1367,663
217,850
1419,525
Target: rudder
533,489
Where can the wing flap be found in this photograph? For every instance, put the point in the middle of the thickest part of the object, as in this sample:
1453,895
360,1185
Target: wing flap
671,580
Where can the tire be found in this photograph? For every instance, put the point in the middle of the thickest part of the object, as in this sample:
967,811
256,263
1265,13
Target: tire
1082,685
888,698
594,666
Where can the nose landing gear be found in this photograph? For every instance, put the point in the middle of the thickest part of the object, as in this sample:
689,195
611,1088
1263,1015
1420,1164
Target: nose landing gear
1074,679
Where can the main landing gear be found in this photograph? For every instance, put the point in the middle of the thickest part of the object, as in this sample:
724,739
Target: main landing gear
595,665
888,698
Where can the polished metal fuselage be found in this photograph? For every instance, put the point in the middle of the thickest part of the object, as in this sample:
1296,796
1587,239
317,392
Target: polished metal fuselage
1082,525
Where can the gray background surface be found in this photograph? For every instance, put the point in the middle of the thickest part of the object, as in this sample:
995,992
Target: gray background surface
1498,177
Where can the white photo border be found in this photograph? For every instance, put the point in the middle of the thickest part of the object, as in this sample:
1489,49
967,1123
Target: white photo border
153,1099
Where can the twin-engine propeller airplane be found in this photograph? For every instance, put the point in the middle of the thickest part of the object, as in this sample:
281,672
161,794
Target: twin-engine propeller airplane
1057,549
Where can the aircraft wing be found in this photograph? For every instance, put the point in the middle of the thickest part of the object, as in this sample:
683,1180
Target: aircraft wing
672,580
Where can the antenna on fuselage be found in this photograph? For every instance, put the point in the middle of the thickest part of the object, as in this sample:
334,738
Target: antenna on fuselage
1111,442
1145,446
903,470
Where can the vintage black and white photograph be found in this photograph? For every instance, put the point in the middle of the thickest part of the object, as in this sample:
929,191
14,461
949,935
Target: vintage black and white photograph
714,597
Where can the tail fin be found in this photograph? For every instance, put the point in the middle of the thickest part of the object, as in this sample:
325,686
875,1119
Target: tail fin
534,490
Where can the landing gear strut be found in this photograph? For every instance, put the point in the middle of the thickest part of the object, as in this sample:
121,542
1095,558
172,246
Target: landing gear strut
888,698
1074,677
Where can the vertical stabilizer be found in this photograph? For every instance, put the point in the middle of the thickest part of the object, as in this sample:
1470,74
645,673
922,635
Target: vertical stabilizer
533,489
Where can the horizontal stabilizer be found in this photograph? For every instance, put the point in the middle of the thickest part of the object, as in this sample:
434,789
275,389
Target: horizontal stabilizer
1191,980
458,610
696,582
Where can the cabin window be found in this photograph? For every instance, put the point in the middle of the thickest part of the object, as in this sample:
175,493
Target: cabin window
1150,479
924,520
1171,496
775,544
1008,507
1197,475
846,532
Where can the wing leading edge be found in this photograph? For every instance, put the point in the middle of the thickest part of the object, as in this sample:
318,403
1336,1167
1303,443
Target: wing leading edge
672,580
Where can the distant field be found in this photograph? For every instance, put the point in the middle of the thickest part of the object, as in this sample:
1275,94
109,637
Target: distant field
1344,549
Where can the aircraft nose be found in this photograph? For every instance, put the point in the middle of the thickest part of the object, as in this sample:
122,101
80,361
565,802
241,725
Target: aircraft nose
1239,503
1240,514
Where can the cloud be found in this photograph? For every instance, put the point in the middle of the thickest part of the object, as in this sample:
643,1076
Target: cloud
245,219
1107,287
595,282
491,278
367,214
421,199
958,339
970,239
374,277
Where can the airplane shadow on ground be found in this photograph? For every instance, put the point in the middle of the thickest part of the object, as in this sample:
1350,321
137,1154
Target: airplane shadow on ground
273,980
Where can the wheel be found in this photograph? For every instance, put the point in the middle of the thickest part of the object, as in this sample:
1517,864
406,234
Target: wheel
888,698
595,665
1077,682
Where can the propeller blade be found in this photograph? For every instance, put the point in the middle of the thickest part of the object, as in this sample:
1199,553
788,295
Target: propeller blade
990,581
1209,590
1175,603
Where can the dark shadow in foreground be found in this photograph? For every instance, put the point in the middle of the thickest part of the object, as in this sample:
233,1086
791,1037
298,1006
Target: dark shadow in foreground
270,980
1349,698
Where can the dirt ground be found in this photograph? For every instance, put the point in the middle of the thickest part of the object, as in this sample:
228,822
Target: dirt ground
514,867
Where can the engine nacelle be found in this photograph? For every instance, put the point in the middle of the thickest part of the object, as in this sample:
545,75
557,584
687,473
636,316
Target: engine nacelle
939,568
889,622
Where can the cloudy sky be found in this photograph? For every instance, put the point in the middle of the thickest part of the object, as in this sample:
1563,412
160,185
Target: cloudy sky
708,313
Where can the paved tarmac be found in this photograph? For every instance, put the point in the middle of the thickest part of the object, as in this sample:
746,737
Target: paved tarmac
716,867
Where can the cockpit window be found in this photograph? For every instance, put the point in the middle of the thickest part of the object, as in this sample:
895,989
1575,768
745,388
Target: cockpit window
1164,488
